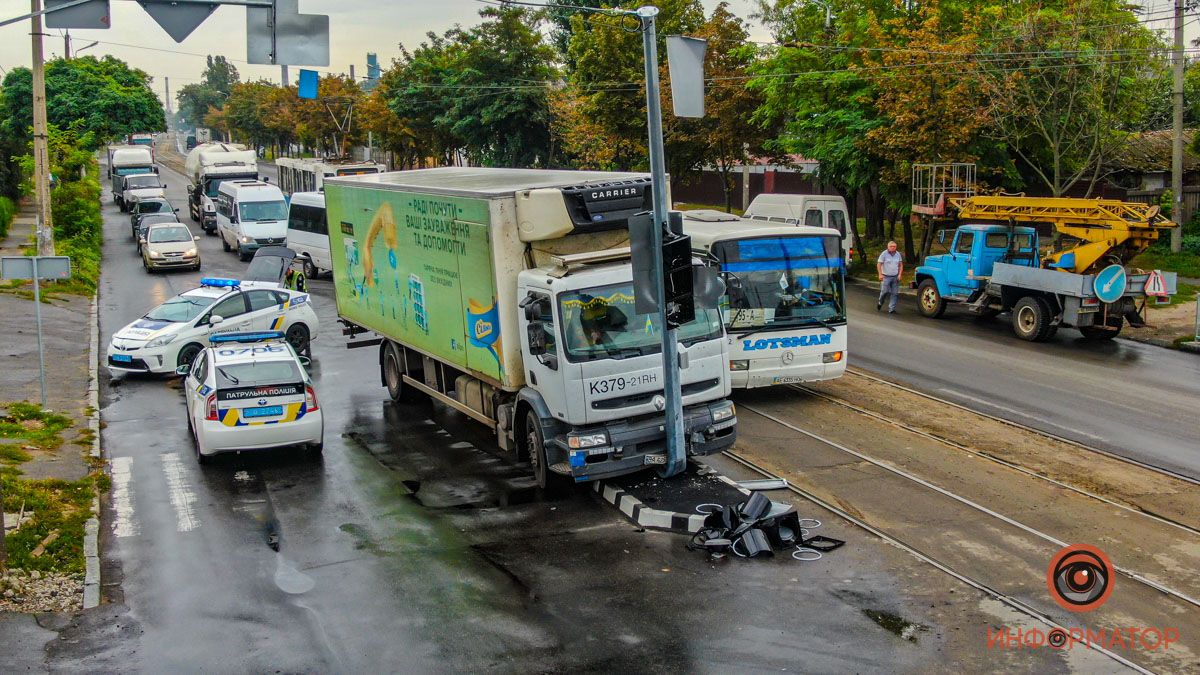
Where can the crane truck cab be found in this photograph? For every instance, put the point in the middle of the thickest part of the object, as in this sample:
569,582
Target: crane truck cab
971,256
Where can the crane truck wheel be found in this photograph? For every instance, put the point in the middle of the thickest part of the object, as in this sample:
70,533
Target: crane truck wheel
930,302
552,484
1032,319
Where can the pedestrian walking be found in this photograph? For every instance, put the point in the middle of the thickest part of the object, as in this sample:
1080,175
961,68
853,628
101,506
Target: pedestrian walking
890,266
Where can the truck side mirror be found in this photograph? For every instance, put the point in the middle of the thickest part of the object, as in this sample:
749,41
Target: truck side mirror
941,237
537,338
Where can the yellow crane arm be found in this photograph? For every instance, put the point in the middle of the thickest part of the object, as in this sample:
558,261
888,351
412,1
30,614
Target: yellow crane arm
1103,227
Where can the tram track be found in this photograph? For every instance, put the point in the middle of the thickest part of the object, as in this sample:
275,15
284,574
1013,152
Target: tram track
996,594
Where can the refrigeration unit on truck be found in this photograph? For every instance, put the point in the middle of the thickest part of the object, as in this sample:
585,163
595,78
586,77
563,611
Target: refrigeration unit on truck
785,302
507,294
127,160
207,166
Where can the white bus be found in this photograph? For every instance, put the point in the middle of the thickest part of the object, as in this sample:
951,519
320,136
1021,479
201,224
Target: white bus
785,304
308,175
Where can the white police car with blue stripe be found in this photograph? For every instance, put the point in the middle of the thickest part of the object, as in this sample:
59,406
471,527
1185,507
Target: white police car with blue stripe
173,333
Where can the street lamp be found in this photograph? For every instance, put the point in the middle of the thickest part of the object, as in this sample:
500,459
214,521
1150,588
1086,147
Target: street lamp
87,46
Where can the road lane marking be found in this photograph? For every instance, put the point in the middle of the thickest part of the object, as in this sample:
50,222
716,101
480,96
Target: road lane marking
1022,413
125,522
182,497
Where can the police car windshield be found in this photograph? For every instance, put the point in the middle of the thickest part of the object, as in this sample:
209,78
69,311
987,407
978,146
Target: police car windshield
164,235
781,282
181,308
257,374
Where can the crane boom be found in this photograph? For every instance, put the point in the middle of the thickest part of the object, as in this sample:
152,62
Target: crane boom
1101,228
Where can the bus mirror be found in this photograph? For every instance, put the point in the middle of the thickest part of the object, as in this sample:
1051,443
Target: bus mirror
707,286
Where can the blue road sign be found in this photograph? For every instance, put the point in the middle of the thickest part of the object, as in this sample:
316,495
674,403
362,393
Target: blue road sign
1110,283
309,80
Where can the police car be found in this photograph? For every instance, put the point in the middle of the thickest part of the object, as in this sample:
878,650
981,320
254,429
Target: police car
249,391
172,334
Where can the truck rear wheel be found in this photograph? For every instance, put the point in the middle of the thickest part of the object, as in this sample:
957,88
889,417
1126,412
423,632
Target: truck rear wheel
1032,319
552,484
930,302
393,377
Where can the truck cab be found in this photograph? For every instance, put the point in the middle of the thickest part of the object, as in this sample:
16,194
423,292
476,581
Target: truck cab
963,271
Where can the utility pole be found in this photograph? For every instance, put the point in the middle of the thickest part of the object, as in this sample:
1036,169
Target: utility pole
167,92
283,74
67,45
1177,213
41,145
673,408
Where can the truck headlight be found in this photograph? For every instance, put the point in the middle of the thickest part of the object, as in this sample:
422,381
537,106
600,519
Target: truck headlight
739,364
576,442
722,414
160,341
832,357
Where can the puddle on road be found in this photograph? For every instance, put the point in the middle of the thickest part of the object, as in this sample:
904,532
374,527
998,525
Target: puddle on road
895,624
291,580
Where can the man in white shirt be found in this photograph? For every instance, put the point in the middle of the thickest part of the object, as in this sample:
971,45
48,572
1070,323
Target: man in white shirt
890,266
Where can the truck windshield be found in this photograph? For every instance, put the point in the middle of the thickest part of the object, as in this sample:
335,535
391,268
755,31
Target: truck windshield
777,283
140,182
601,323
130,170
213,185
252,211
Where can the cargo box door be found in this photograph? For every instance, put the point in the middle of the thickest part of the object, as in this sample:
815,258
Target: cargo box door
481,311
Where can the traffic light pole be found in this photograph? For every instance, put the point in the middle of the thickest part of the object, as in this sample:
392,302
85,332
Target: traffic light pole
673,408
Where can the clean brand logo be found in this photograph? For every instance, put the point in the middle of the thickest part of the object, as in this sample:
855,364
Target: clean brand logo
788,342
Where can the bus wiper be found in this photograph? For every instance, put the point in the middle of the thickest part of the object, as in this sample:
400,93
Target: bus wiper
750,332
824,322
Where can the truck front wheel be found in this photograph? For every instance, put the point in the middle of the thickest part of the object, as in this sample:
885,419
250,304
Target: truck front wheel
552,484
929,301
1032,319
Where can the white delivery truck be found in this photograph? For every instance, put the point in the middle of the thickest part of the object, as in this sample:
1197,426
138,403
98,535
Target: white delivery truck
808,210
209,164
127,160
507,295
785,301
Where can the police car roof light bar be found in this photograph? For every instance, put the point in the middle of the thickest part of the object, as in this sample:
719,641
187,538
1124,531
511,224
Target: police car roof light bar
259,336
220,283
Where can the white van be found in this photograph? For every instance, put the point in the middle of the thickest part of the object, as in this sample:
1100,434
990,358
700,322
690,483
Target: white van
308,232
250,214
807,210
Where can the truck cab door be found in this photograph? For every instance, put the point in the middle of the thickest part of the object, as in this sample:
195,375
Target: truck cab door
546,366
960,275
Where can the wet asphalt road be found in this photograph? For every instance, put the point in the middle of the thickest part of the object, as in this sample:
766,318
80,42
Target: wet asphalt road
412,546
1129,398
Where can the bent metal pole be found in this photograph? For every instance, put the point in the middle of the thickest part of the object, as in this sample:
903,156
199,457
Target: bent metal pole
673,408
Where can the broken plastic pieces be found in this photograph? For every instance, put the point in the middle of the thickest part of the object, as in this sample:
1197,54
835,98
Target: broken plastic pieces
758,527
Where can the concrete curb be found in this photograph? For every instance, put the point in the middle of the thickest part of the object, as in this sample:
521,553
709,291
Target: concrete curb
91,531
655,519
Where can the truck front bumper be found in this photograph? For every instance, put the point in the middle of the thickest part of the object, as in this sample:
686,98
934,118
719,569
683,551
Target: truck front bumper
640,443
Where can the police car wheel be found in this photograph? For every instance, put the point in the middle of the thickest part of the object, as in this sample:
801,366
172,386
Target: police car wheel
315,449
297,336
187,355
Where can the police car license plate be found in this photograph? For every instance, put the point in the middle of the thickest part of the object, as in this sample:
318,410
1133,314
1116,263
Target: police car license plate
656,459
123,358
269,411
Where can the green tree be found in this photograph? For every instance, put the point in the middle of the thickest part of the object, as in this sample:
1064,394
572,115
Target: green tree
102,96
193,101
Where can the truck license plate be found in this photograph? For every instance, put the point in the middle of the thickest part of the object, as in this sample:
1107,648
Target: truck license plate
656,459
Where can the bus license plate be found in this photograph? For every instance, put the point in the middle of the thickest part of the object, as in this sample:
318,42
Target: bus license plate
656,459
787,380
269,411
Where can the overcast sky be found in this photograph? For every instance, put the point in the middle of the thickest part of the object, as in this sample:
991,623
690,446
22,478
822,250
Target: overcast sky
356,27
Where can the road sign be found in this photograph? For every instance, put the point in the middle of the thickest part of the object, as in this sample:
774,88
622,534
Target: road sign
22,267
92,14
685,60
285,36
1156,285
1110,283
36,268
178,20
308,84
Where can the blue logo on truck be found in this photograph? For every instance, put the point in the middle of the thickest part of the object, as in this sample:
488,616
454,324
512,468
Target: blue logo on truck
788,342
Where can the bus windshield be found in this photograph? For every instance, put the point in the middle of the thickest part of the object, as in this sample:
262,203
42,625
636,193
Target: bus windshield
776,283
601,323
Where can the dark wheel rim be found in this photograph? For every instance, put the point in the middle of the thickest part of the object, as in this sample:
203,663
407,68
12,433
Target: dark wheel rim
391,373
534,440
298,338
310,270
187,355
